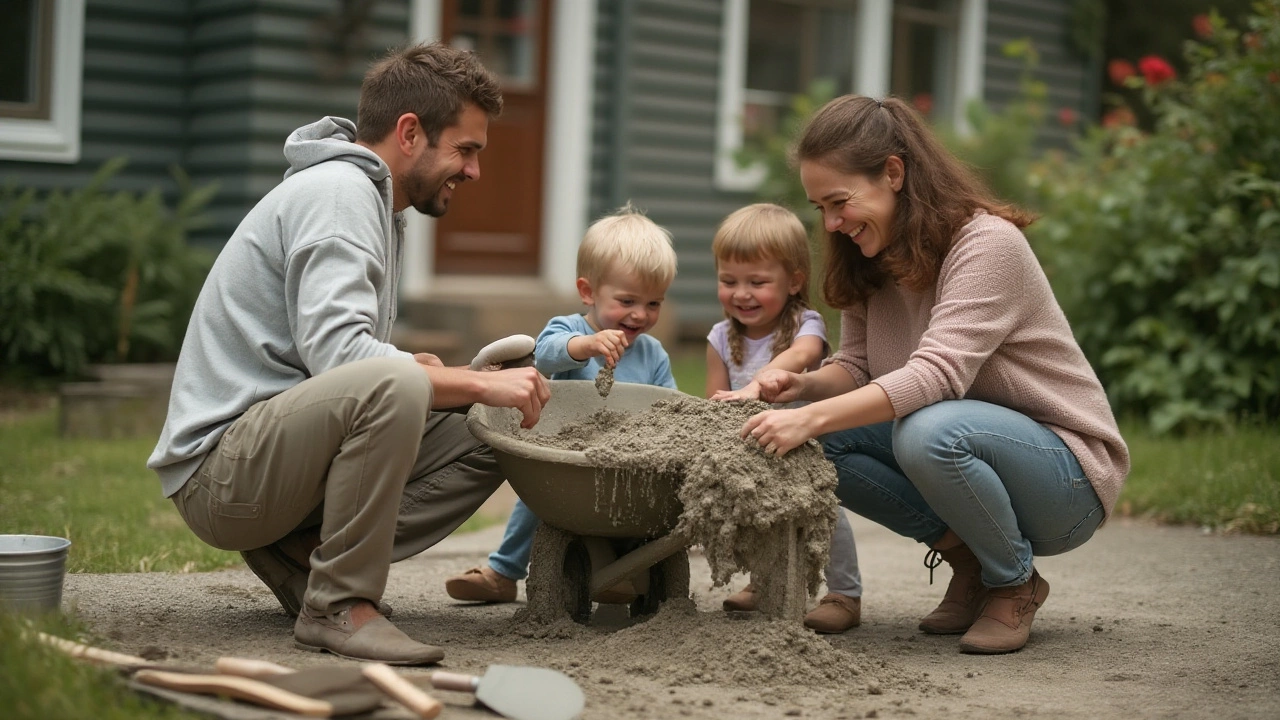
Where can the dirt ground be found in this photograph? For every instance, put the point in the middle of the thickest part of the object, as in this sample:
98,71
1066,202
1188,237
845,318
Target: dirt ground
1143,621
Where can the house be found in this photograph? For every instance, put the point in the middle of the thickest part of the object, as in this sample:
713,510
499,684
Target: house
607,101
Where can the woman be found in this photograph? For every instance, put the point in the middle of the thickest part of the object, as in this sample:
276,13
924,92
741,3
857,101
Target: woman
959,410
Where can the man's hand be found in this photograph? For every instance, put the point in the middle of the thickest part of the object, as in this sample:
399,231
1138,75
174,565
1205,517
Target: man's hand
609,344
779,386
524,389
428,359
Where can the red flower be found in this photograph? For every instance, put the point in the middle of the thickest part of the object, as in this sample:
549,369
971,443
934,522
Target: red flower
1273,77
1155,70
1202,25
1067,117
923,103
1120,70
1252,40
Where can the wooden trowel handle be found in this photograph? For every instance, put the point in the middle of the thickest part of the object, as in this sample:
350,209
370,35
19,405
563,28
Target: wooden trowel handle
405,692
246,667
92,654
441,680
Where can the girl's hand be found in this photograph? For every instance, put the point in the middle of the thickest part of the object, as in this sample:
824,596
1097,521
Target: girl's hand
779,386
750,392
607,343
778,431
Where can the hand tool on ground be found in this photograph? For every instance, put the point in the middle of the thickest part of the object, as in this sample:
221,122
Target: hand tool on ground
519,693
315,692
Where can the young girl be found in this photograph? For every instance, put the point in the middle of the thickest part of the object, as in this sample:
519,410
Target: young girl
762,263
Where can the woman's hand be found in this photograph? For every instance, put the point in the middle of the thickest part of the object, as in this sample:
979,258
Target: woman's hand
779,431
779,386
750,392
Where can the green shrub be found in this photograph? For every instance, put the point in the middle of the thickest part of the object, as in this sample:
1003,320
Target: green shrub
90,276
1164,247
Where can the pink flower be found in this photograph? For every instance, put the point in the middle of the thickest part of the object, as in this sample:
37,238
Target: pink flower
1202,25
1155,70
1120,70
1119,117
923,103
1067,117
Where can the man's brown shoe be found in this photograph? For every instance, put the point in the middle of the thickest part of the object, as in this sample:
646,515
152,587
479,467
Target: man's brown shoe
377,640
1006,620
745,600
965,594
284,576
481,585
835,614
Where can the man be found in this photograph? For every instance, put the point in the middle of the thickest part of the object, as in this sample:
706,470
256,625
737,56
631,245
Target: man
295,432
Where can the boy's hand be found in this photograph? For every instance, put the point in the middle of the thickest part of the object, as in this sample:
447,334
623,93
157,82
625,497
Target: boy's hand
524,389
608,344
750,392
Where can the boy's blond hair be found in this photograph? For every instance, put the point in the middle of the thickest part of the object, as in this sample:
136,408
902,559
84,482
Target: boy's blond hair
627,241
766,232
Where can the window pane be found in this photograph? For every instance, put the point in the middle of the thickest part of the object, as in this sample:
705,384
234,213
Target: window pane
17,52
790,45
924,48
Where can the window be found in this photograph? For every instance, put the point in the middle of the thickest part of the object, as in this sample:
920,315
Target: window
924,55
504,33
929,52
40,66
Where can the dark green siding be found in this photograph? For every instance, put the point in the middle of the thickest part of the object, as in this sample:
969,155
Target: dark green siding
1066,72
133,89
654,144
212,86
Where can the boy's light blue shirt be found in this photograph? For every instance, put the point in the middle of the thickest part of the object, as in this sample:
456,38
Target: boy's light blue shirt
644,362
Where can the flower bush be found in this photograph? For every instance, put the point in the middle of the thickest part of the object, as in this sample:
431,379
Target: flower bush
1164,247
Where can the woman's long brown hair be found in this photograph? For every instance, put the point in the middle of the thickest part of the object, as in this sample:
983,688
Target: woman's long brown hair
856,135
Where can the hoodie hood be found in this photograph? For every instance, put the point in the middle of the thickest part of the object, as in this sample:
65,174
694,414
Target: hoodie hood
331,138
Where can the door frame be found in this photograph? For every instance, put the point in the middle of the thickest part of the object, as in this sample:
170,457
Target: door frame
566,164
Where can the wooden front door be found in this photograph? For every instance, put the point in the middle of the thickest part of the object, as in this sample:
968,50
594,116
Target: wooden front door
493,226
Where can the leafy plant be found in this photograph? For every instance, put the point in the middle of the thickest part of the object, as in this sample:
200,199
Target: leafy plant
91,276
1164,247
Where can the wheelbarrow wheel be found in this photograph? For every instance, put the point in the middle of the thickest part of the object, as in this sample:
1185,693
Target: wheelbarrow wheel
668,579
558,577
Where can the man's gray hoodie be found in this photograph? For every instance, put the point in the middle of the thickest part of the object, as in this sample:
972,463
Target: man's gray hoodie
307,282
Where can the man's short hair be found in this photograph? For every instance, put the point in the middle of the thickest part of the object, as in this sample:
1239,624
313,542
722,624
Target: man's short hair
431,81
627,242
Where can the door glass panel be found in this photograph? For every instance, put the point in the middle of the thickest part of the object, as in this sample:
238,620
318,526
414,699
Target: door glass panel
504,34
924,45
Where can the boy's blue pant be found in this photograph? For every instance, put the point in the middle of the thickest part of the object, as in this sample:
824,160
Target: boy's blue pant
511,559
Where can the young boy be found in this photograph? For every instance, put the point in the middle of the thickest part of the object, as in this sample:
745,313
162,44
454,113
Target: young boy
625,265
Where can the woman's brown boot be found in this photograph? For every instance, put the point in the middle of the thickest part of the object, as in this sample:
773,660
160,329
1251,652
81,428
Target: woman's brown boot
965,594
1006,619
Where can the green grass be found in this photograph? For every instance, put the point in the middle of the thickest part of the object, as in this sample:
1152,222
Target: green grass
1227,480
38,682
101,496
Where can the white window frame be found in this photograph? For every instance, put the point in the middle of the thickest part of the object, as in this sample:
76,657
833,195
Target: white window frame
58,138
874,28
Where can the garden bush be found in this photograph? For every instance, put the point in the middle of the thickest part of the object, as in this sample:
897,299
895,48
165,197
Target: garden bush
1164,246
92,276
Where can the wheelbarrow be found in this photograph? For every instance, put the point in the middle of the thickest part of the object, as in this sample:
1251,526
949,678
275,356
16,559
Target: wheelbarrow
599,525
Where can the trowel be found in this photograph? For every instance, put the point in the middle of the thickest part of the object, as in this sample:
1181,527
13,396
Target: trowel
520,693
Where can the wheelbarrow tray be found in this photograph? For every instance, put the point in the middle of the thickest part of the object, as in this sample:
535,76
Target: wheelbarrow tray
565,489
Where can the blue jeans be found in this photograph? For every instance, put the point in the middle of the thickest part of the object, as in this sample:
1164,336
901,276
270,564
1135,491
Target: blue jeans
511,559
1005,484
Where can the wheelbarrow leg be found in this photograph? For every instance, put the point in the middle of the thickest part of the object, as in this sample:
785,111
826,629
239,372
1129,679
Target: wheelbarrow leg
784,593
668,580
558,574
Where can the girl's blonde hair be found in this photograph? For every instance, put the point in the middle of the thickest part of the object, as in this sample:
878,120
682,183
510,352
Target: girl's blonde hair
769,232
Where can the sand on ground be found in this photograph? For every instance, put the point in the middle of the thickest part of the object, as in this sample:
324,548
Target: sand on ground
1144,621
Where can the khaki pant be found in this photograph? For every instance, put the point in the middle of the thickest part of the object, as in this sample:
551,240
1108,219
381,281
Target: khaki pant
356,451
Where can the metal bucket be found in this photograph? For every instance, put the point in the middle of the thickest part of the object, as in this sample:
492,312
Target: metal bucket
31,571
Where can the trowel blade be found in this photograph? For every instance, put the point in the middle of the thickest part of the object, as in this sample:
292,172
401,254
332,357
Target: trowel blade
530,693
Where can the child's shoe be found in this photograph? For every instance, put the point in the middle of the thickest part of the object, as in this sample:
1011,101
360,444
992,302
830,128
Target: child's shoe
745,600
481,585
835,614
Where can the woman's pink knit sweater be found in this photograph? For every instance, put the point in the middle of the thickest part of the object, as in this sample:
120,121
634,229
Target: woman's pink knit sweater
989,330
